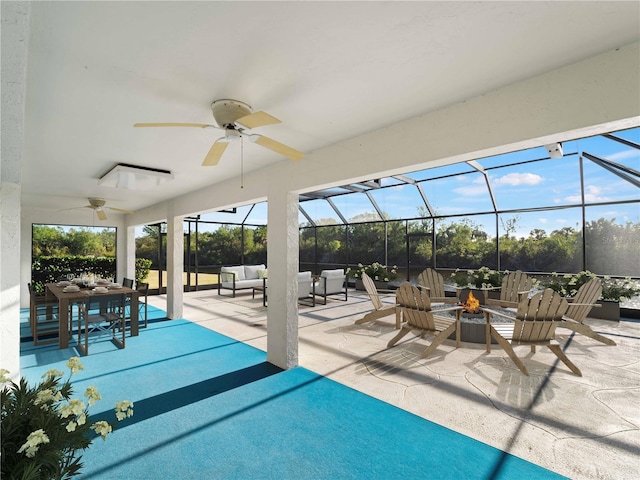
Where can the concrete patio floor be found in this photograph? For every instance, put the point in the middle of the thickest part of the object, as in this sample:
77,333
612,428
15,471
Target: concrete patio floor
582,427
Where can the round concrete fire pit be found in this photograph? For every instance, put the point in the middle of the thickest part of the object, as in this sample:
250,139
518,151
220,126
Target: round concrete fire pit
472,328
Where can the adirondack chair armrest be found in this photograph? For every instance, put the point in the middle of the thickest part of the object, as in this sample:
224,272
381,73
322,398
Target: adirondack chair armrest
498,314
490,288
383,296
449,300
448,309
593,305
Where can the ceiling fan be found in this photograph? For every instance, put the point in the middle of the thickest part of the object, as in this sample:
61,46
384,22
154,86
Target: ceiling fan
235,118
98,205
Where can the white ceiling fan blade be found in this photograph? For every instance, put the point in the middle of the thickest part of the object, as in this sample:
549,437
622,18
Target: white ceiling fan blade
196,125
121,210
277,147
216,151
73,208
257,119
101,214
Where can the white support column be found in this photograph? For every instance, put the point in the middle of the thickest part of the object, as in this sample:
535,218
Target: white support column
15,39
282,262
175,266
130,252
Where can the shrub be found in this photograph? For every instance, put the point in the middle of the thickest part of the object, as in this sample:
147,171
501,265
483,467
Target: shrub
376,271
43,428
617,290
483,277
143,265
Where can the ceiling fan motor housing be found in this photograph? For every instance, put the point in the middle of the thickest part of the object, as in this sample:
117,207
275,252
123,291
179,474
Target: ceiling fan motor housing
97,202
226,112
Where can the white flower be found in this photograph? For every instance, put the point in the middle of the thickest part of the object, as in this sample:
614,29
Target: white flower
124,409
82,419
74,407
92,394
53,373
33,441
102,428
74,364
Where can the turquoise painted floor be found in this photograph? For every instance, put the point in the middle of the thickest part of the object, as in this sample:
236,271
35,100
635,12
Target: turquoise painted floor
207,406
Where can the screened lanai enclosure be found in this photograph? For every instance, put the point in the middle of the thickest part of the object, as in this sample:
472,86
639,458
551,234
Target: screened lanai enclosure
565,208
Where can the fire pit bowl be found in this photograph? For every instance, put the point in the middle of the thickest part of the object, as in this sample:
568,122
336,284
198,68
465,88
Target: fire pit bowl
472,324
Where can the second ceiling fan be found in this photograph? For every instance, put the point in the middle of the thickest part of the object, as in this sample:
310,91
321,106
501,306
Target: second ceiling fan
235,118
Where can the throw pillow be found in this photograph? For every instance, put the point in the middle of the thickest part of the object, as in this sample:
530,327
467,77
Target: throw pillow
262,273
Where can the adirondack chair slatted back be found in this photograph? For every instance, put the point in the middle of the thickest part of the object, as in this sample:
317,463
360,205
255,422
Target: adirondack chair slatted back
586,296
415,306
372,291
380,309
433,281
538,317
512,284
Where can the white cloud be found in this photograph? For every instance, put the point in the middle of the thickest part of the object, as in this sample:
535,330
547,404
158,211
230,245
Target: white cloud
623,155
518,179
471,190
592,193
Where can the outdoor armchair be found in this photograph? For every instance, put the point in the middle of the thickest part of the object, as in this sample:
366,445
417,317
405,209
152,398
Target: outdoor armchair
380,309
143,308
43,318
515,286
101,315
579,308
534,324
414,306
433,282
306,289
331,283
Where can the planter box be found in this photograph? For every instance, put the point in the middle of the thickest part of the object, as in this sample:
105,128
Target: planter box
610,310
379,285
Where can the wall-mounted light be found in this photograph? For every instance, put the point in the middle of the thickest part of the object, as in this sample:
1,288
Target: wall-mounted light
131,177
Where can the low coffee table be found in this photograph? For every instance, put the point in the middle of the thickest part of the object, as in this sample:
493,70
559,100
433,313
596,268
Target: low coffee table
262,288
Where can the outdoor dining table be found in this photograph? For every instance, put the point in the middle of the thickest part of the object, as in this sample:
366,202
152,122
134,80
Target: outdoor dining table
68,298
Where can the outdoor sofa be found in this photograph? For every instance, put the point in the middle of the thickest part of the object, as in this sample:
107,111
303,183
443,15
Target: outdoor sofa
241,277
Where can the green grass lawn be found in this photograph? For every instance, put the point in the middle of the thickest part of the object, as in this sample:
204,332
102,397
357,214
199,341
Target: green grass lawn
203,278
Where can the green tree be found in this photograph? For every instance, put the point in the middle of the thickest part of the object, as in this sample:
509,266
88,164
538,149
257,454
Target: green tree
612,248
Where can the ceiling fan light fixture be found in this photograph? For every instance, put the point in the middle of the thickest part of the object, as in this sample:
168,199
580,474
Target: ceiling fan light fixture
131,177
232,135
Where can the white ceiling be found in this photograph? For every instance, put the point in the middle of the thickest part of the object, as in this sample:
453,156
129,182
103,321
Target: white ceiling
329,70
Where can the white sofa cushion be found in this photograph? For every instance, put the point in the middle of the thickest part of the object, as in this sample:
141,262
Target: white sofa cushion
305,283
251,271
333,280
239,272
338,272
249,283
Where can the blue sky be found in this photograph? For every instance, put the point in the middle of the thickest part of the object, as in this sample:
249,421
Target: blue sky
541,184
